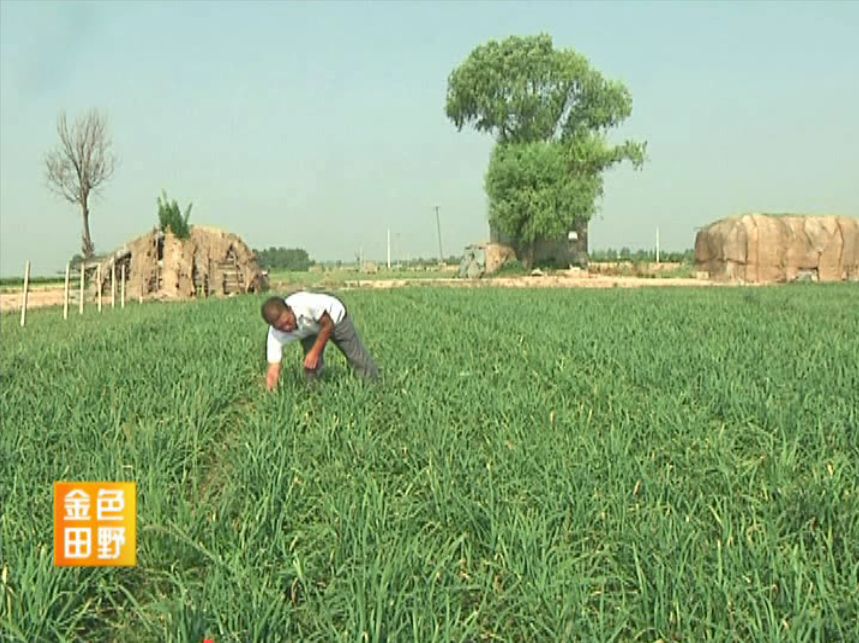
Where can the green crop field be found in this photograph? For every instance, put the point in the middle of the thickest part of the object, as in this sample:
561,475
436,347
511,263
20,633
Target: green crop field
544,465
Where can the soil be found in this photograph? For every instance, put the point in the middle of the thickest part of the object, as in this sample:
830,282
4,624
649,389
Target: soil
546,281
35,299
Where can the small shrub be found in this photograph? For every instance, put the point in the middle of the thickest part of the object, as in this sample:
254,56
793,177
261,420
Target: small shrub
170,218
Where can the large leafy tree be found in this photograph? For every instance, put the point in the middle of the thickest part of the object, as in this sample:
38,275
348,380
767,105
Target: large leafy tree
550,113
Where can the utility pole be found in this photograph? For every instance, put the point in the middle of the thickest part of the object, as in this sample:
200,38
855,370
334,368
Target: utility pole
389,248
657,244
398,250
438,225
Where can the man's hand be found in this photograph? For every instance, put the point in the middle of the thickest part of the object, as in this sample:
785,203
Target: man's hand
311,361
326,328
272,376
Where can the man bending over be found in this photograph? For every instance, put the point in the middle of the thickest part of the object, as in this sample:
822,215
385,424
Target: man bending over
313,319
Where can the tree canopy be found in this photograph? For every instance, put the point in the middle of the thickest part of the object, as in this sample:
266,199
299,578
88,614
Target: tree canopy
522,90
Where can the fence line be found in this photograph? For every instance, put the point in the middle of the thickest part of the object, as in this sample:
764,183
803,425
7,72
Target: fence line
72,295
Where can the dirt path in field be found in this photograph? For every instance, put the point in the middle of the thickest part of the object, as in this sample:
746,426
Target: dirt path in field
544,281
35,299
10,302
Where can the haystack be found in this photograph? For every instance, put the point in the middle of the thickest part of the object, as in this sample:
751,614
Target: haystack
484,259
210,262
761,248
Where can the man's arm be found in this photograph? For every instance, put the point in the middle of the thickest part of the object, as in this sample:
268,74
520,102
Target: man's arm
326,328
274,355
272,376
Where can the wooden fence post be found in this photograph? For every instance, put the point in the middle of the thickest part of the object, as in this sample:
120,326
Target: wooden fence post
98,285
122,286
113,283
24,296
66,292
81,303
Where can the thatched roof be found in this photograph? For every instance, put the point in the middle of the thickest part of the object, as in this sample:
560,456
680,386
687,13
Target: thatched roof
761,248
209,262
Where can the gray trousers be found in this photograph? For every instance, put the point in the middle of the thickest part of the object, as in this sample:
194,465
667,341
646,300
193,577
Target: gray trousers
345,338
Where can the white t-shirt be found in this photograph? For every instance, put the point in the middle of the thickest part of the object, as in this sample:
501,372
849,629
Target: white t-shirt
308,308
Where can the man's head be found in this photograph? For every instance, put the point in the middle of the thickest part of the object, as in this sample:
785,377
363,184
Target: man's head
276,313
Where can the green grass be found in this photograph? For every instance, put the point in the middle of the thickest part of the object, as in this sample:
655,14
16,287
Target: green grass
16,284
536,465
512,268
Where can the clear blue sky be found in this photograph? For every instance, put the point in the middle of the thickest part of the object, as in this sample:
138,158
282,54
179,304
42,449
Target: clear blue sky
320,125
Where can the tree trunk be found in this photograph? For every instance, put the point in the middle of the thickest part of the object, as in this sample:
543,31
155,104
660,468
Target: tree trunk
87,248
529,255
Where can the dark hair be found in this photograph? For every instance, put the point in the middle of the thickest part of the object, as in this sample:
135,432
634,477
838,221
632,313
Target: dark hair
273,308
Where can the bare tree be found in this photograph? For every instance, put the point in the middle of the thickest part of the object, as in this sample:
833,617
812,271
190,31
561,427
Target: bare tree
81,163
